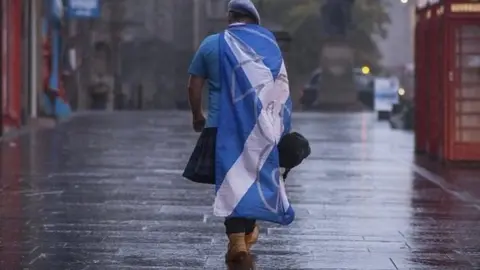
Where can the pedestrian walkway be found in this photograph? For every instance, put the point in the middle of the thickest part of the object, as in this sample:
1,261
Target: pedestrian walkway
104,191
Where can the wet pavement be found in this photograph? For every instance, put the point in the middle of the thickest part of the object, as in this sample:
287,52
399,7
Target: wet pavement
104,191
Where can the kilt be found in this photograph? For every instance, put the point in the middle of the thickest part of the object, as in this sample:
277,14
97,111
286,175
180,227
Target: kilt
201,165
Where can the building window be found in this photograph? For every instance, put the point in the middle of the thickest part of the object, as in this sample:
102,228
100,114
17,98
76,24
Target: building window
216,8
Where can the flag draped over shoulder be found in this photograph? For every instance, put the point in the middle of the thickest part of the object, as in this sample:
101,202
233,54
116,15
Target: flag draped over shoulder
255,112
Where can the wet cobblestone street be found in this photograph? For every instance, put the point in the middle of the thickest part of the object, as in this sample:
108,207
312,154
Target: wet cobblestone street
105,192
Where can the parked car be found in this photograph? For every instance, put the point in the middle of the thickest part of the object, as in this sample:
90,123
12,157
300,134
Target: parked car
310,90
363,84
402,116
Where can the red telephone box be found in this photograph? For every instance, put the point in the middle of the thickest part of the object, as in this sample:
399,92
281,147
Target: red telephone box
448,80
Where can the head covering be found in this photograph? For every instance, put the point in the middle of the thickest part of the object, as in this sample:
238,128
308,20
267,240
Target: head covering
244,7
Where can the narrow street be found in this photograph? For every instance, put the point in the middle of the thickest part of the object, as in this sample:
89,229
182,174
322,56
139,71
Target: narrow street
105,192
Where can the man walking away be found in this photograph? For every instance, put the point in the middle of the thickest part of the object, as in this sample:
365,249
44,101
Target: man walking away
249,111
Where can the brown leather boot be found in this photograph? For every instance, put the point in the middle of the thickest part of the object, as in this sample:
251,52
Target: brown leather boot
237,248
251,239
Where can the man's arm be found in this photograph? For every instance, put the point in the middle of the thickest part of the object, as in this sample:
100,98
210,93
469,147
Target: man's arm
195,89
198,74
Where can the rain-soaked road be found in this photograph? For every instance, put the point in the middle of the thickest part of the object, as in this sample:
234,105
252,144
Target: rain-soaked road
105,192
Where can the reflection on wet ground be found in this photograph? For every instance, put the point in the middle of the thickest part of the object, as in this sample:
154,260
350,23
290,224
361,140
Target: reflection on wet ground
104,191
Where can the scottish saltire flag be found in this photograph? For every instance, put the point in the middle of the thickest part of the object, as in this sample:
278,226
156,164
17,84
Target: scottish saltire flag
255,112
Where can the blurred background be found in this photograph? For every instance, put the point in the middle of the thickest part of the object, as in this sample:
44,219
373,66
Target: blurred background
134,54
334,49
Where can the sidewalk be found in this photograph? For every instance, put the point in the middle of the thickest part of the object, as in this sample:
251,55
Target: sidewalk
33,124
104,191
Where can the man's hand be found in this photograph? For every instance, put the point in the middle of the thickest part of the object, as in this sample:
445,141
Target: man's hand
198,122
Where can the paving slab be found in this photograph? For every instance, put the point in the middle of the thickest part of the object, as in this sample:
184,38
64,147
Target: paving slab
104,191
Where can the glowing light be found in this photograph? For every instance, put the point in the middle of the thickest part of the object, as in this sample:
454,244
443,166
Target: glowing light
401,91
404,1
465,7
365,70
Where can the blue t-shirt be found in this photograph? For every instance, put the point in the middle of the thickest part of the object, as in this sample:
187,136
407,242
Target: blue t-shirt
206,64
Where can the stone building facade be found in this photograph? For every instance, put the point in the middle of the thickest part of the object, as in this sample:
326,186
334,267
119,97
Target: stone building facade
146,45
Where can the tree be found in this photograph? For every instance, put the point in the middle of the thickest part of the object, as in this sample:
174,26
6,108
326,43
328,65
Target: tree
303,19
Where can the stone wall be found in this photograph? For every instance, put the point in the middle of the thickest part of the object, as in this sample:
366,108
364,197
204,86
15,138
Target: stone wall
149,44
